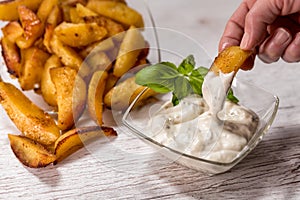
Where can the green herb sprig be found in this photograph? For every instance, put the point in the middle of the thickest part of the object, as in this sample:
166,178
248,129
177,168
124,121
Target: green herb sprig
182,81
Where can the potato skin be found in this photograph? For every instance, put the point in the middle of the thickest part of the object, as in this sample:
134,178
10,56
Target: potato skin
130,48
33,60
74,139
95,95
232,59
12,57
8,8
47,87
117,11
32,121
123,94
29,152
81,34
71,95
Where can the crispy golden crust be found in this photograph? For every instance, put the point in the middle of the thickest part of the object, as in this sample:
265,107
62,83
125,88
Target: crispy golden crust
232,59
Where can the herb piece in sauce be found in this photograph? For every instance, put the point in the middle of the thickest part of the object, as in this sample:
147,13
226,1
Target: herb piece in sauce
182,81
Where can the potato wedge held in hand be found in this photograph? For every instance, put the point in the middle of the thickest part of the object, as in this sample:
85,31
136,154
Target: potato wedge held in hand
29,152
232,59
33,122
75,139
71,95
95,95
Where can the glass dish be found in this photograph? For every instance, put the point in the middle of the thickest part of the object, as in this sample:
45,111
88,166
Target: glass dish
173,46
263,103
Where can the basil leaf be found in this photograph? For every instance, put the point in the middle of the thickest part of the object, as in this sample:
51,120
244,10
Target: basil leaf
159,77
182,87
200,71
160,88
175,100
187,65
231,97
169,64
196,84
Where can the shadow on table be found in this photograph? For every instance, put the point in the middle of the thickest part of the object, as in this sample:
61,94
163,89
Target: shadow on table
49,175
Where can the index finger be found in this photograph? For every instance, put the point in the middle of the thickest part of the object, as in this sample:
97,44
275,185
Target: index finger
234,29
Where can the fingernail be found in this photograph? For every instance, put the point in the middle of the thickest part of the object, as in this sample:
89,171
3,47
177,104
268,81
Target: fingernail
281,37
245,41
297,39
224,45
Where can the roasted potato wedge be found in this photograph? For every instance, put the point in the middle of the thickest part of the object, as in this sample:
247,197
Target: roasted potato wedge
73,3
29,152
122,95
232,59
49,31
32,25
75,139
45,9
70,95
117,11
74,17
98,61
33,61
82,34
12,31
103,45
32,121
110,82
55,17
68,56
8,8
47,87
83,11
12,57
111,26
95,95
129,51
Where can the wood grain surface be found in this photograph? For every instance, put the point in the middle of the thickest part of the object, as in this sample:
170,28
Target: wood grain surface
270,171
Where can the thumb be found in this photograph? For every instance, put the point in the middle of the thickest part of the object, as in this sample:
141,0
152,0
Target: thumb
262,14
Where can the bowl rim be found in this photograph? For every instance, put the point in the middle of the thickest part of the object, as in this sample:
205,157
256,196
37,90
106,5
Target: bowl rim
251,144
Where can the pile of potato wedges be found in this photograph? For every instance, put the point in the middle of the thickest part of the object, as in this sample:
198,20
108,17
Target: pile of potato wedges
73,53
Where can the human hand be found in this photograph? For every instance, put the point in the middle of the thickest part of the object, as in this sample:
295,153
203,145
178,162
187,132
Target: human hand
272,27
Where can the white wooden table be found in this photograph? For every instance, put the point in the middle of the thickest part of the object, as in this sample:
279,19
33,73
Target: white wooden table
271,171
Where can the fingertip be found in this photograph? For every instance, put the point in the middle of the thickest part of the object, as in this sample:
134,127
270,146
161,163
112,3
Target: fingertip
226,42
223,46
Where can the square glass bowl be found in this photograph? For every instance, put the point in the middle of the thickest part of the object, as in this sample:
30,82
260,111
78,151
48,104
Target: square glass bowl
173,46
263,103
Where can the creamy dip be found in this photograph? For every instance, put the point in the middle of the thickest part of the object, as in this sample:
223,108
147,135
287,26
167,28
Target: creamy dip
210,127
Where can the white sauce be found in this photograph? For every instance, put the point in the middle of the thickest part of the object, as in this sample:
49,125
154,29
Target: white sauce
197,127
